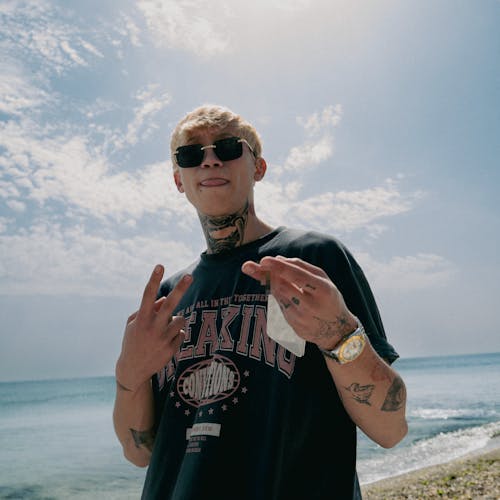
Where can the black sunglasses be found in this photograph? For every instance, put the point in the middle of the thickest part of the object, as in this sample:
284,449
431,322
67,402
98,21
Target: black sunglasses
226,149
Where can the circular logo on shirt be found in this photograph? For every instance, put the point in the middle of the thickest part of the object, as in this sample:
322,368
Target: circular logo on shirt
208,381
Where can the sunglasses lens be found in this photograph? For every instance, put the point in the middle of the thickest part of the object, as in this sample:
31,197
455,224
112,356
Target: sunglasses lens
189,156
225,149
228,149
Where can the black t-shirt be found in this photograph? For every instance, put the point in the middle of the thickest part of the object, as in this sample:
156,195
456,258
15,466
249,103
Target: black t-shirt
237,415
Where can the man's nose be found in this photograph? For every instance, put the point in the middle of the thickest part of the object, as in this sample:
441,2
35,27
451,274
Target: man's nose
210,159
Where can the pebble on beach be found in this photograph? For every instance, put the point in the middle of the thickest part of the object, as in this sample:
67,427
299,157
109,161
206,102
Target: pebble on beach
472,478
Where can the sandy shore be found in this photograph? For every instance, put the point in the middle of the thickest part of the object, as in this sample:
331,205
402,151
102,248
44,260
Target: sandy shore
472,477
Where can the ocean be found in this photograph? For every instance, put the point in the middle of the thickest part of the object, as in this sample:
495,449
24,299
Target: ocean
57,439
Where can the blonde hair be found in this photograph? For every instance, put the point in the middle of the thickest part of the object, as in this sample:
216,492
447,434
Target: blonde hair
216,118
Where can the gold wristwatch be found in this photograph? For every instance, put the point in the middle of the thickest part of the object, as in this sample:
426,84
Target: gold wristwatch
349,348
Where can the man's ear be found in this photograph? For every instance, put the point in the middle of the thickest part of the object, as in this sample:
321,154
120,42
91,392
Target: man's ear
178,182
260,169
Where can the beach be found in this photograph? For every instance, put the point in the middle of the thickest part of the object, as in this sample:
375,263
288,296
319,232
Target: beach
475,476
452,415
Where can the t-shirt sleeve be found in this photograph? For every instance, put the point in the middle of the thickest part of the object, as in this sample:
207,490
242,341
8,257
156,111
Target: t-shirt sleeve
352,283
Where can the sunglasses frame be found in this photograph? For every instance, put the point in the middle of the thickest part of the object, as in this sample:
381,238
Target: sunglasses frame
212,146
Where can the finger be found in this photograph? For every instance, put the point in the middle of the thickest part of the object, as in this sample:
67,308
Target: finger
177,341
174,297
173,327
255,271
290,298
300,276
159,303
151,291
317,271
132,317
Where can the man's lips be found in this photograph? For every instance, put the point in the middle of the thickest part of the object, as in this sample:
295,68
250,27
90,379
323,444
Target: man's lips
215,181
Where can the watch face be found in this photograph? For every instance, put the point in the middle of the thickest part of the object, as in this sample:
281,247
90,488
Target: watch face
352,348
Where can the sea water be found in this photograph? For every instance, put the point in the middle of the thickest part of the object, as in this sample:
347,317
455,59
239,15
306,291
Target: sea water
57,439
453,409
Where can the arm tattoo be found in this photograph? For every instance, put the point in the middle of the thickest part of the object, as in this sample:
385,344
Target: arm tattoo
144,438
395,396
226,231
361,393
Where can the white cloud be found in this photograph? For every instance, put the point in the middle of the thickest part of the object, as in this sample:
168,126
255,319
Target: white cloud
338,212
319,143
208,28
315,123
16,206
413,272
36,30
132,30
72,53
50,260
197,26
341,211
151,102
309,154
91,48
71,170
147,110
17,93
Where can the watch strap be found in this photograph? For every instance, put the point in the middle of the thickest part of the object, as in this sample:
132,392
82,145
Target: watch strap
334,353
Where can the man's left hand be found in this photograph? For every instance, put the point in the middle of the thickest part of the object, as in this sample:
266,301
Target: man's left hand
309,300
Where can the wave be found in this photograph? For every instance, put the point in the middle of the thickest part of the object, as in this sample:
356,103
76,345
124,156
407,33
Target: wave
427,452
453,413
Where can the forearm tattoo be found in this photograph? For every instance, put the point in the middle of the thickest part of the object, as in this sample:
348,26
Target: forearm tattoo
396,396
360,393
226,231
144,439
394,400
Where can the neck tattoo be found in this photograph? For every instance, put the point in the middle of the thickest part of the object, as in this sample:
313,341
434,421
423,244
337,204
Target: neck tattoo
224,232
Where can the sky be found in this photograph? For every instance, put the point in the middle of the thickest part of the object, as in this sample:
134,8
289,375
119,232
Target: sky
380,125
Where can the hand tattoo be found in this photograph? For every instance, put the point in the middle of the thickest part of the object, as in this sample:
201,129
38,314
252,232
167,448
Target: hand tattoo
144,439
395,396
329,329
226,231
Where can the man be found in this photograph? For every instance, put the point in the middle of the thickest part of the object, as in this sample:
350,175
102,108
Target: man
205,397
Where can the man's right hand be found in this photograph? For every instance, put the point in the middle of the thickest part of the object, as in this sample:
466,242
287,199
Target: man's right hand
152,336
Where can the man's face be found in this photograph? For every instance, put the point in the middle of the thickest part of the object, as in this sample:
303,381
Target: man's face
217,187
